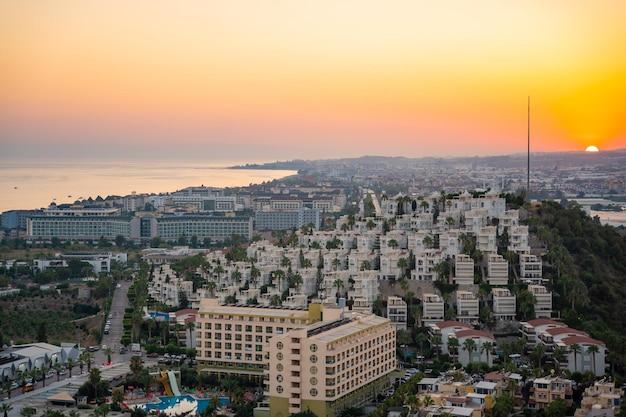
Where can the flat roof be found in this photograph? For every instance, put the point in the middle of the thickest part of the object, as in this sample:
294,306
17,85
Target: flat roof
350,328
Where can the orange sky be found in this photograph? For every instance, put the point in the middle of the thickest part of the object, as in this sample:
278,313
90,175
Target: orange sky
282,79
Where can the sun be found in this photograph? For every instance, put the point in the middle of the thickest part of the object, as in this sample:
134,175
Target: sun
592,148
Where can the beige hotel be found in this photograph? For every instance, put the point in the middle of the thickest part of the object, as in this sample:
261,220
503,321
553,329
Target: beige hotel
323,358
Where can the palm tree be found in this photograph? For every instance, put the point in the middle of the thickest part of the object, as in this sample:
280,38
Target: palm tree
177,329
95,376
469,345
575,348
336,262
108,351
453,347
57,368
366,265
279,275
229,385
558,355
43,370
191,327
136,365
487,347
420,339
297,281
88,357
151,324
6,386
435,343
339,284
593,349
5,408
538,353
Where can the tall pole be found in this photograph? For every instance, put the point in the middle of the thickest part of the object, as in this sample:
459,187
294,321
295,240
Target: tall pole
528,156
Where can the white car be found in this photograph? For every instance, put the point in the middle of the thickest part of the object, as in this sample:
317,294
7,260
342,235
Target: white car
104,347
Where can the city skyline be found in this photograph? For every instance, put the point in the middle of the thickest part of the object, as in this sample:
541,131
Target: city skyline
263,81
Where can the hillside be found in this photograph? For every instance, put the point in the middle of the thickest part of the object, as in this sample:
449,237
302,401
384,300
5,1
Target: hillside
586,265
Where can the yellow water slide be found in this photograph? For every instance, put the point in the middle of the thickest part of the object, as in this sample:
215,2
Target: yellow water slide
166,384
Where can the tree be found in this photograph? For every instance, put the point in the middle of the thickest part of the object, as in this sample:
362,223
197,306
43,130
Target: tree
151,324
5,408
453,347
6,386
593,349
366,265
279,275
538,353
229,384
469,345
108,351
503,406
338,283
70,364
557,408
420,339
95,376
435,344
487,347
136,365
575,348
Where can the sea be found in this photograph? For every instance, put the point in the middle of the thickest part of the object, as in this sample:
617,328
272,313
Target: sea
33,184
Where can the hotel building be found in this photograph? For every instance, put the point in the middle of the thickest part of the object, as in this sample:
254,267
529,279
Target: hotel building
330,365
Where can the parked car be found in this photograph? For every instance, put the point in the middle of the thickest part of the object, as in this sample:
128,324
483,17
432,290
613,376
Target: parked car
153,355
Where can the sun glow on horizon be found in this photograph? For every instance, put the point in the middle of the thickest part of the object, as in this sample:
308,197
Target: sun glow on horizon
592,148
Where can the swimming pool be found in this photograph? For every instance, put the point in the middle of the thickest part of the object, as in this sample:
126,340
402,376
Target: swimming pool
182,403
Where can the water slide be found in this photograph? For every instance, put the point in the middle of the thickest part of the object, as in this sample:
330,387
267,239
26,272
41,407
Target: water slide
166,384
168,379
173,383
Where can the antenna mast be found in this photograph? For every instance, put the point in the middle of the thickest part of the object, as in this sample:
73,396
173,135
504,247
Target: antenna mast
528,156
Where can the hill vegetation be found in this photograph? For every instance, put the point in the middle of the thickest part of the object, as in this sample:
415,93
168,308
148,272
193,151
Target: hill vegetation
586,265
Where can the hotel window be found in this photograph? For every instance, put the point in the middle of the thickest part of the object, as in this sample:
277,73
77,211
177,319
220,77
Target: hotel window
279,356
313,392
313,348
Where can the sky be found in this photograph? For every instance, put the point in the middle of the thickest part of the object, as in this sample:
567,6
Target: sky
266,80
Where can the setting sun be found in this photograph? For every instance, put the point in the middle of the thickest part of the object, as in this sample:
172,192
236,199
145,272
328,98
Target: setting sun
591,148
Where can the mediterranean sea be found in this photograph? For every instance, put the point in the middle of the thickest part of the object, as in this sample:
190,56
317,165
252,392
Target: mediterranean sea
32,184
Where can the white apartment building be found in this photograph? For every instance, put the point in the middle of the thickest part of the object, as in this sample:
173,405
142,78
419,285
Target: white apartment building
463,270
504,304
167,288
397,312
467,307
584,359
487,240
497,270
445,330
450,243
543,305
518,239
432,309
530,330
508,220
530,267
479,353
330,365
425,263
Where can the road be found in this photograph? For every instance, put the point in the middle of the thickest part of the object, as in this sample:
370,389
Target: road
112,340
